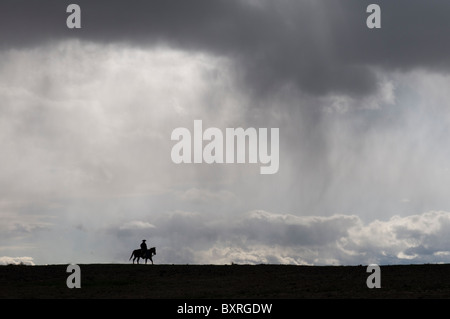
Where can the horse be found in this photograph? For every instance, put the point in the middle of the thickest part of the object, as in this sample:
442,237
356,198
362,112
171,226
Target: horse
148,255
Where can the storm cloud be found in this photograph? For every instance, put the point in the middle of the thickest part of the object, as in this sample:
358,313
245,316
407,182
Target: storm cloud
265,237
317,47
86,117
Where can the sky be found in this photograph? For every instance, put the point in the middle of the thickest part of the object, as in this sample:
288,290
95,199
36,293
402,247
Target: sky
86,117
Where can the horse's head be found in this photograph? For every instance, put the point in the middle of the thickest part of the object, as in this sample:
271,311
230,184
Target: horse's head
153,250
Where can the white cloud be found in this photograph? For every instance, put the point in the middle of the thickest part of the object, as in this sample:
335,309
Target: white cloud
264,237
85,135
5,260
419,238
92,120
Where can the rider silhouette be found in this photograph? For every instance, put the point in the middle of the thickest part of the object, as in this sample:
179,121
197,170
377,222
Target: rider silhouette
143,247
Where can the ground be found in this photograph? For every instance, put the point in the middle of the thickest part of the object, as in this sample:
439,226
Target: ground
123,281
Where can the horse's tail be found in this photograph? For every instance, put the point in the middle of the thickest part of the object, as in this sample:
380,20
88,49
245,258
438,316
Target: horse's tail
132,254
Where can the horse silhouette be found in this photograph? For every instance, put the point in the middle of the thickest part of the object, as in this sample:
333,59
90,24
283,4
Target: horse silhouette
147,255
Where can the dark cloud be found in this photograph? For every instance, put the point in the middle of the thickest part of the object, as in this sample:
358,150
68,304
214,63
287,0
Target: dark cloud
288,231
89,122
317,47
261,237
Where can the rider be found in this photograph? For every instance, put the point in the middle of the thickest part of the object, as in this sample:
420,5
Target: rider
143,247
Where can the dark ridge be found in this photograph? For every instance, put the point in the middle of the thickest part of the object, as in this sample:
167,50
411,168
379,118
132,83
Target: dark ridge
123,281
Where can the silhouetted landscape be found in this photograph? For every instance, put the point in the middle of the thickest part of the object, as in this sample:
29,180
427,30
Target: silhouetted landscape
224,281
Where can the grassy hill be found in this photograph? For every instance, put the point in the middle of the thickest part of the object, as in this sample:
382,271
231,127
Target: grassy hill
224,281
